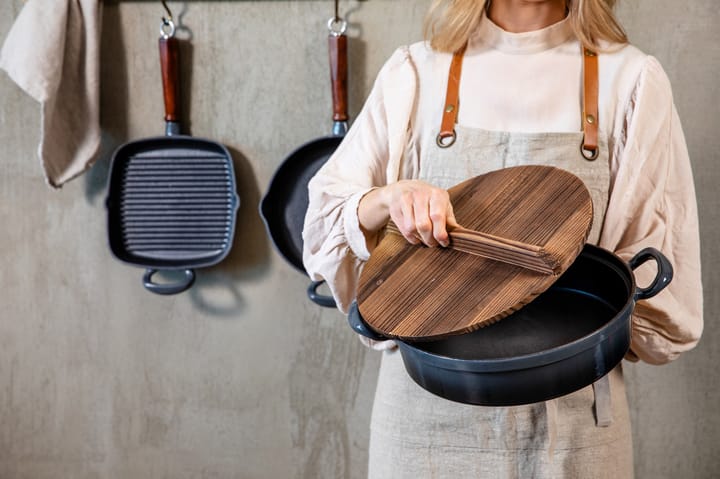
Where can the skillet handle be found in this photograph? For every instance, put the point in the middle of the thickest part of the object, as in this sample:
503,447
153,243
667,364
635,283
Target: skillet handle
358,324
170,288
320,299
662,278
337,45
170,66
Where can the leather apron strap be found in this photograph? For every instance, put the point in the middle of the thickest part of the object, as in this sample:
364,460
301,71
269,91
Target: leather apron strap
447,134
589,147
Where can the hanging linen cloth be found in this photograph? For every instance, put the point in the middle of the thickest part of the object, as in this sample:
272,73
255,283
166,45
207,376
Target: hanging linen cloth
52,52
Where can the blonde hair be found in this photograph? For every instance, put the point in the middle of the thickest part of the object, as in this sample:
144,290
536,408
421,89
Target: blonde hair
449,23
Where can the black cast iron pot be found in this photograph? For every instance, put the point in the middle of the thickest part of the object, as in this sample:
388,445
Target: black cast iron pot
567,338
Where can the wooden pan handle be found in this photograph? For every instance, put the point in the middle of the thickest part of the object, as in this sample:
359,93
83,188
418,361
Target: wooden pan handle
505,250
338,75
169,66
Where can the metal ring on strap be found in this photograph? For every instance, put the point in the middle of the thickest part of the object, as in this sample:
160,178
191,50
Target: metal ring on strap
589,154
445,140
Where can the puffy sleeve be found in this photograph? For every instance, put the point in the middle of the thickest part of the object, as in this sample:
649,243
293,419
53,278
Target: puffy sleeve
335,247
653,203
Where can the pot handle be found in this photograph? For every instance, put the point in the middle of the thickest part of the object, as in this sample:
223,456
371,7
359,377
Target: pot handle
320,299
170,288
358,324
662,278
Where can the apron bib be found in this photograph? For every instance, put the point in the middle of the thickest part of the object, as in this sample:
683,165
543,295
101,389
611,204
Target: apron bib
415,434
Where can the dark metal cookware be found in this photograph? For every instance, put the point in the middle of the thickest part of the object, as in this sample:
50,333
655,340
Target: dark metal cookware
171,200
567,338
284,206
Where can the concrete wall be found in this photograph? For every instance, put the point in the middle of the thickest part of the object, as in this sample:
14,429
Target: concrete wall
242,376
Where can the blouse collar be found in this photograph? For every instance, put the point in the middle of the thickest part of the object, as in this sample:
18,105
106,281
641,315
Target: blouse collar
491,35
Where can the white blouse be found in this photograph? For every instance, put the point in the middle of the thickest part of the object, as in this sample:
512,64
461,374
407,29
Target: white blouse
528,82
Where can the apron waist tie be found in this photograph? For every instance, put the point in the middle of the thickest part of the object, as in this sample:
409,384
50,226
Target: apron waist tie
603,411
603,402
552,416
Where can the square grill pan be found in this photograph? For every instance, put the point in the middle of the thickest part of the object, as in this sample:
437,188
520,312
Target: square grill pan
171,203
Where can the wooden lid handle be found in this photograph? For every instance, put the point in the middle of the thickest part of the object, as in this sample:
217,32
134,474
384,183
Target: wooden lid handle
495,248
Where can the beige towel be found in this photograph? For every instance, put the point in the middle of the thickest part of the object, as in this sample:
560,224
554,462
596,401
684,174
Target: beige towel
52,52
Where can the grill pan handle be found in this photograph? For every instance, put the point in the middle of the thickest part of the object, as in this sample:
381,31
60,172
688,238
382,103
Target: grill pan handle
169,66
169,288
317,298
662,278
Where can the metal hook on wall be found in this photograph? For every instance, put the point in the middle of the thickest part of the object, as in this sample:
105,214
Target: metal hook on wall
167,27
167,9
336,25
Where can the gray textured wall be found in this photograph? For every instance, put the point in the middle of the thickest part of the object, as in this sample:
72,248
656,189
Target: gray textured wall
242,376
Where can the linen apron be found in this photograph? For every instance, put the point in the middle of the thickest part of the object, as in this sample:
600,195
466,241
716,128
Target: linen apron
415,434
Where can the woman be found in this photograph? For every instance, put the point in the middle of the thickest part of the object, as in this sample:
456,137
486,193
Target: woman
521,94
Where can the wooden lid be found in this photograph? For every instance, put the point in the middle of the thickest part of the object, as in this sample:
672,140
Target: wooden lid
417,293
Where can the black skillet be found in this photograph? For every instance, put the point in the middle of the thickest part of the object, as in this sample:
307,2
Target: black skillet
171,200
565,339
284,206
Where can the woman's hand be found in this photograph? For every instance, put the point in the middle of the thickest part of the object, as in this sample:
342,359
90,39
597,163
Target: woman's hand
422,212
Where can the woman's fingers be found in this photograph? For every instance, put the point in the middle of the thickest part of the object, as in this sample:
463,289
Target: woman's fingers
439,205
450,221
422,212
405,219
424,223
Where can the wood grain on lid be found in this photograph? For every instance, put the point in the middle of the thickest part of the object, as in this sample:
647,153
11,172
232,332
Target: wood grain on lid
414,292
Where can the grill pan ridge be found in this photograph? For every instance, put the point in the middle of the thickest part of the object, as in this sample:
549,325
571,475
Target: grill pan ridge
173,205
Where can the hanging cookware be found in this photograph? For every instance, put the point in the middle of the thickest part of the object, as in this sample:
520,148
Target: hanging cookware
284,205
171,200
567,338
531,220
